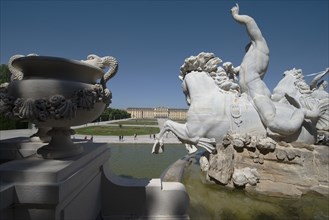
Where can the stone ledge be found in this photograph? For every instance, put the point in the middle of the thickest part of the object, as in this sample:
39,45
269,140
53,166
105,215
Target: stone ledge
36,188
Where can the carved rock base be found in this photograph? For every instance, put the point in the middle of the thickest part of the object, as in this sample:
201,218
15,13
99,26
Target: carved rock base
290,170
60,146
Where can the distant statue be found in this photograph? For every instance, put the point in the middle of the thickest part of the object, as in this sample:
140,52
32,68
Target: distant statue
220,104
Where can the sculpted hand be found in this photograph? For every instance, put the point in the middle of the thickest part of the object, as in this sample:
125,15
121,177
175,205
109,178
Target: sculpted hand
235,10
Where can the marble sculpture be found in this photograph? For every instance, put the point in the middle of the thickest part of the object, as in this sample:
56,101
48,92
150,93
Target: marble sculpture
260,141
235,100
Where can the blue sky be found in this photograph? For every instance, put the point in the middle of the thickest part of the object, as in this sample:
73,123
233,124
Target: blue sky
151,39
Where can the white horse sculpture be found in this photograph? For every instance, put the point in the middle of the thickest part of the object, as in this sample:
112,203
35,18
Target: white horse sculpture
293,87
214,112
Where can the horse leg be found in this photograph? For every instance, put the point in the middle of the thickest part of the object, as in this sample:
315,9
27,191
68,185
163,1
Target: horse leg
190,148
207,143
181,132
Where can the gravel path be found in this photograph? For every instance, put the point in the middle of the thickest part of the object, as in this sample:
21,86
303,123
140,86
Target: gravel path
170,138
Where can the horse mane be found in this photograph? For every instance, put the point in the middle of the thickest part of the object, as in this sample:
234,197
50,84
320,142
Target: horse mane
297,73
209,63
203,62
300,83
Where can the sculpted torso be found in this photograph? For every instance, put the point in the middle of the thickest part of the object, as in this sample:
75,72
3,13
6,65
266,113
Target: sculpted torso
255,62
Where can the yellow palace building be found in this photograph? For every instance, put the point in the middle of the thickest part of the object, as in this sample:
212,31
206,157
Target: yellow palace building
158,112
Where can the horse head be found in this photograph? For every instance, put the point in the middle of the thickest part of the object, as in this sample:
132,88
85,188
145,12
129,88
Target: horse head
201,75
292,84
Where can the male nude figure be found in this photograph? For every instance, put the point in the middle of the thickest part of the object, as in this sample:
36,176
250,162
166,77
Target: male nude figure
251,73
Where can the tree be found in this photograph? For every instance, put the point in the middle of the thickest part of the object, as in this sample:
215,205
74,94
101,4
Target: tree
113,114
4,74
5,123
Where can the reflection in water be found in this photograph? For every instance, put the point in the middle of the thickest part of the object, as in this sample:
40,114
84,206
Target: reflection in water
209,201
136,160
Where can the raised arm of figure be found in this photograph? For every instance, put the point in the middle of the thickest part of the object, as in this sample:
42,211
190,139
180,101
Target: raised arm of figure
252,28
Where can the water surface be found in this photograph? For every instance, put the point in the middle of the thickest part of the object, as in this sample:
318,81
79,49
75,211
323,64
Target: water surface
209,201
136,160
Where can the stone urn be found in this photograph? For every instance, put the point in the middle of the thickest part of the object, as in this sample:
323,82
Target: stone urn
57,93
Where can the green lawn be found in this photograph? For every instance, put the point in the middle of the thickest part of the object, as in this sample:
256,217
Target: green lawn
145,122
138,122
180,121
116,131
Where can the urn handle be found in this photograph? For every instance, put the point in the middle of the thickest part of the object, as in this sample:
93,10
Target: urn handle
102,63
16,73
